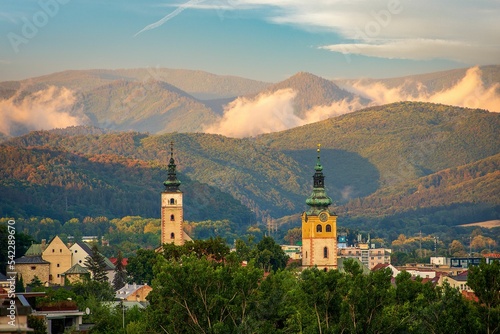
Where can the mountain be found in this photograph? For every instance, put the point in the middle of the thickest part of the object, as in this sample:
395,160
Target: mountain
430,83
151,106
202,85
404,140
314,91
389,151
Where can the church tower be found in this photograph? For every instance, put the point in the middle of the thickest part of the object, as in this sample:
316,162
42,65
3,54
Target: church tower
172,215
319,226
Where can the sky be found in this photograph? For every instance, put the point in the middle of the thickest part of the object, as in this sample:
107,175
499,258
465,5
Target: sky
257,39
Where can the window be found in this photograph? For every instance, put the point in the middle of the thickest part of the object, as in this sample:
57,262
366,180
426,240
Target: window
319,228
79,261
76,250
58,275
172,201
58,265
325,252
306,254
172,235
33,267
172,217
53,250
328,228
60,250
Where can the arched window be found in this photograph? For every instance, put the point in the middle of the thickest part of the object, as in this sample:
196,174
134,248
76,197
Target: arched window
172,235
319,228
172,218
172,201
325,252
328,228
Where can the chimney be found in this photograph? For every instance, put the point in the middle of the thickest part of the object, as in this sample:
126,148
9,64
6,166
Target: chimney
135,286
44,244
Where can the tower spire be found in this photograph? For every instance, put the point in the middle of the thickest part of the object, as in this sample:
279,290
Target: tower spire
172,183
318,200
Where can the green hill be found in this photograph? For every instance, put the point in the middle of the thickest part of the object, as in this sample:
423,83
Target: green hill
380,164
50,182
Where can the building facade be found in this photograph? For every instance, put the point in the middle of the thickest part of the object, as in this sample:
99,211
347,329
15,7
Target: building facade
59,256
319,226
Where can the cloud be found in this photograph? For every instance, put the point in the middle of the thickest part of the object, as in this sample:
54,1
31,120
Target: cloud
272,112
469,92
43,110
416,49
459,30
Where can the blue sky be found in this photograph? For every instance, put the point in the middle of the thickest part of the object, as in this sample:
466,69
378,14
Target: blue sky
259,39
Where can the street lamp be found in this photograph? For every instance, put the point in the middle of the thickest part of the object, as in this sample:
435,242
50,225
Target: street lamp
123,312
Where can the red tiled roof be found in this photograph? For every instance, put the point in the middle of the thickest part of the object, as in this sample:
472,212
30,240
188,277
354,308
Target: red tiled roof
492,255
124,261
470,295
379,266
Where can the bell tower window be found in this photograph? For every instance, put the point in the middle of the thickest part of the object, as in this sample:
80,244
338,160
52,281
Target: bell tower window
328,228
325,252
172,235
172,201
319,228
172,217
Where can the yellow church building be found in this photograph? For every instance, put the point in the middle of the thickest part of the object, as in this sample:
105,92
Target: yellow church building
319,226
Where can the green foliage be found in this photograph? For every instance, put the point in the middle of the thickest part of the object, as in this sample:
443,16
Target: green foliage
96,265
37,324
140,266
120,274
196,295
268,255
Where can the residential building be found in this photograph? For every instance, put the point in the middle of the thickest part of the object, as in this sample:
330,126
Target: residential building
29,266
81,251
370,257
59,256
293,251
133,292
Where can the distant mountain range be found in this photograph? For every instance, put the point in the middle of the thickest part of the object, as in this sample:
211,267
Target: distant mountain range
160,100
414,162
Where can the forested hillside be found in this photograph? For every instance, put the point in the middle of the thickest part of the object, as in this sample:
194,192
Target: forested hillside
404,164
49,182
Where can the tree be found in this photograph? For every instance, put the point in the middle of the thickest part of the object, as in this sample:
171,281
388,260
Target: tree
19,283
120,273
140,266
96,265
269,256
293,235
200,295
37,324
35,282
484,279
457,249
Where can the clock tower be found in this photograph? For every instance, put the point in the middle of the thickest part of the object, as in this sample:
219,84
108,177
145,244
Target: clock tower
319,226
172,213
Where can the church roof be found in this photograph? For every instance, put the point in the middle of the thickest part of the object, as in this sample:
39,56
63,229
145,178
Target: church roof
318,200
172,183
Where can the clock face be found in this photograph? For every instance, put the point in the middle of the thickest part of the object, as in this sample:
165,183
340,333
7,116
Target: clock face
323,216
